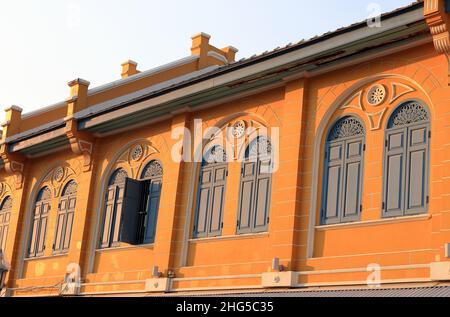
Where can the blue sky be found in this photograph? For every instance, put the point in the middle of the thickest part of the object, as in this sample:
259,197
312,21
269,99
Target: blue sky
46,43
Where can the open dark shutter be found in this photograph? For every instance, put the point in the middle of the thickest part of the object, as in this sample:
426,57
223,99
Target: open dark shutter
246,197
130,211
394,172
352,180
262,191
333,183
206,181
153,199
417,170
217,203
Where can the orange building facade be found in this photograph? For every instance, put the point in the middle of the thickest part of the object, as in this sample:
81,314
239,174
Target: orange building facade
356,122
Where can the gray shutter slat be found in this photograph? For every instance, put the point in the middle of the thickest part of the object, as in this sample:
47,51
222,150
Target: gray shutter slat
395,170
352,180
416,177
130,211
202,206
218,199
333,183
246,197
262,204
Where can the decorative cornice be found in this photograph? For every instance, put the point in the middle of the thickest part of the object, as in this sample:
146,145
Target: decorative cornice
14,164
81,143
439,23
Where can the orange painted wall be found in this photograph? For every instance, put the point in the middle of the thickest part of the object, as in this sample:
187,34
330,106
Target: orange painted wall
297,109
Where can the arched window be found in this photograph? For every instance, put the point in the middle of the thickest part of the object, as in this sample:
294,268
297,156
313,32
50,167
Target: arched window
343,172
406,163
113,208
152,177
255,187
211,193
40,223
5,215
66,211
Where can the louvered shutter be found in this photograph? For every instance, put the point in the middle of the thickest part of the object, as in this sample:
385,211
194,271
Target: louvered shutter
217,203
131,207
109,215
333,183
45,209
69,223
417,169
61,225
246,197
394,172
152,207
352,180
204,197
262,191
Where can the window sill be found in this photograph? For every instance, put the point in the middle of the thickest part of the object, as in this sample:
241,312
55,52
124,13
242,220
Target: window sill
46,257
374,222
125,248
230,238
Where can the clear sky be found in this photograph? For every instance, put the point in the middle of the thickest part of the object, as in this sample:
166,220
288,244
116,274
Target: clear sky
46,43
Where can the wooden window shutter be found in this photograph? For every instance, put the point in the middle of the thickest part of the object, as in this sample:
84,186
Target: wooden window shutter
406,171
394,172
417,169
333,183
343,172
218,200
45,209
262,191
130,211
152,206
211,196
203,202
246,197
69,223
61,224
353,170
34,230
108,220
64,224
5,215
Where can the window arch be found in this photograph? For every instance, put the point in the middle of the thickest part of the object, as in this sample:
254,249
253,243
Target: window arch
113,208
211,193
64,224
5,215
343,172
40,223
152,177
255,187
406,161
